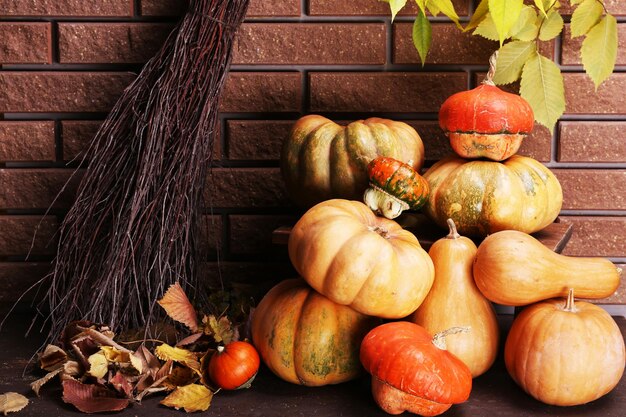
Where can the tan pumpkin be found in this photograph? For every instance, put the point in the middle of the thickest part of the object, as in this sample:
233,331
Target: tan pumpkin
321,159
564,352
514,268
344,251
305,338
455,301
484,197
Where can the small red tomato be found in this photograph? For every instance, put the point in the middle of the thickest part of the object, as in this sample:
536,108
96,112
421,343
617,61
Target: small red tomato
234,366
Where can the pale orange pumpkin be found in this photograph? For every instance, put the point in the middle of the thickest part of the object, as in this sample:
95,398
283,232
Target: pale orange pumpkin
563,352
344,251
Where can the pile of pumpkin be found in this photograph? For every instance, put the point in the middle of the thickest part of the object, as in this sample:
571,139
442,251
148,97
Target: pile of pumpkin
359,267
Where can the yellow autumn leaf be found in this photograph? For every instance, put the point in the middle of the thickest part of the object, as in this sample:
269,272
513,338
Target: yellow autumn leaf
98,365
166,352
11,402
504,14
114,355
191,398
599,50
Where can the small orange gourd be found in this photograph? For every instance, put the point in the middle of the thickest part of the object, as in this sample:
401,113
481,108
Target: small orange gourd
565,352
455,301
515,269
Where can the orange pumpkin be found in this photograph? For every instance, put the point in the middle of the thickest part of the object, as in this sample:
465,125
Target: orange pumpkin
305,338
564,352
344,251
234,366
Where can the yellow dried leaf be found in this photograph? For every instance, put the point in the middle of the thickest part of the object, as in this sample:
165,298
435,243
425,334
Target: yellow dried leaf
36,385
166,352
136,362
99,365
52,358
221,329
179,308
193,397
11,402
114,355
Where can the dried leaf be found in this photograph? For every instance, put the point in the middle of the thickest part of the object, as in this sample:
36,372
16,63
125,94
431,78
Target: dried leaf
179,308
98,365
180,376
114,355
90,398
189,340
11,402
221,329
122,385
191,398
36,385
149,362
71,369
52,358
166,352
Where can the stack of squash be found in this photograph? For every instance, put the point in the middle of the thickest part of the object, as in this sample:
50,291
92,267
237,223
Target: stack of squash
358,267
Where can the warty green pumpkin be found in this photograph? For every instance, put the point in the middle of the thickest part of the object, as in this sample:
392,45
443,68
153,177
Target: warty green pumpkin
321,159
484,197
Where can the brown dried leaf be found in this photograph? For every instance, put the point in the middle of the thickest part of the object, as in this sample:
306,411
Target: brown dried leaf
180,376
189,340
166,352
11,402
193,397
122,385
149,363
221,329
52,358
90,398
179,308
71,369
36,385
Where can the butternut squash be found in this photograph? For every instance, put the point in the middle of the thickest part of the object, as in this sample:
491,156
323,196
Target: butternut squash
515,269
455,301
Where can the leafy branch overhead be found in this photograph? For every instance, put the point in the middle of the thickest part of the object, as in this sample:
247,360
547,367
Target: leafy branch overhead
519,28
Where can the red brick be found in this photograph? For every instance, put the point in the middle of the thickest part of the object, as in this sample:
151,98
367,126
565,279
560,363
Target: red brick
596,236
256,139
592,141
36,188
537,145
27,141
25,43
252,234
310,43
370,8
210,236
95,43
19,233
615,7
245,187
76,135
581,97
66,7
570,51
61,91
262,92
383,92
449,46
592,189
16,278
257,8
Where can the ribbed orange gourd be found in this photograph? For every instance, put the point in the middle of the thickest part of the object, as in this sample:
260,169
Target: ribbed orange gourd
486,121
455,301
305,338
483,197
412,370
321,160
344,251
565,352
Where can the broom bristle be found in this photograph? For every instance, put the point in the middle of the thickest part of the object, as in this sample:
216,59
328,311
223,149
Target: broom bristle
131,231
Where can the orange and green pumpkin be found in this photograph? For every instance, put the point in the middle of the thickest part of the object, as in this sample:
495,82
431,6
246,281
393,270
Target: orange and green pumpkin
305,338
484,197
321,159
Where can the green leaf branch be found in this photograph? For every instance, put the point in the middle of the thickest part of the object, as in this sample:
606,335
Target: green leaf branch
519,27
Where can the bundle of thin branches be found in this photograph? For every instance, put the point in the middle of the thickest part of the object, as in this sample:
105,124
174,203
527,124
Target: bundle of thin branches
130,232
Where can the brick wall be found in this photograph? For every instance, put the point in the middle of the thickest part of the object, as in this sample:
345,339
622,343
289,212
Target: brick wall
65,62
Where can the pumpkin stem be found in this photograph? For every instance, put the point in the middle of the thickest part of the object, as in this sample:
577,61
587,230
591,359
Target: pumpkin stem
220,349
492,69
439,339
453,233
569,303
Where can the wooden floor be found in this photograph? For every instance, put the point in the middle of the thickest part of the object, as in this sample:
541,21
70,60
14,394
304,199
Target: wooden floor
493,395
